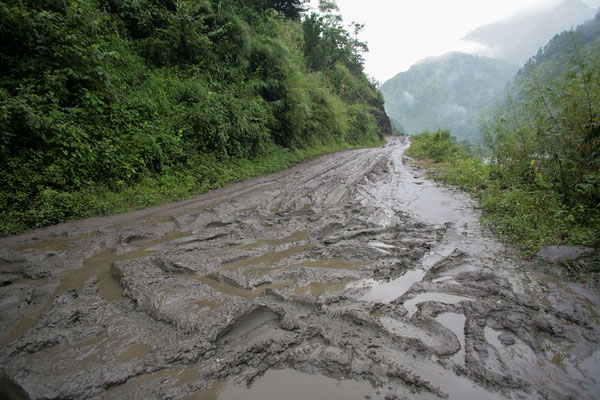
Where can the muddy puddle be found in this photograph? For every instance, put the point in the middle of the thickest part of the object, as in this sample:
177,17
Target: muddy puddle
288,384
350,276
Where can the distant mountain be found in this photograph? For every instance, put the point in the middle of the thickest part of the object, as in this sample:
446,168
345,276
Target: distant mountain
447,92
517,38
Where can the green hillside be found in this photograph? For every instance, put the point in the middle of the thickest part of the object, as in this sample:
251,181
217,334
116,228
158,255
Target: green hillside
447,92
108,105
540,185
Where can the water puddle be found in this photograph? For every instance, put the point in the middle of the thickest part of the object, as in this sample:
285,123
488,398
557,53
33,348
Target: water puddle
299,236
316,289
268,258
53,244
65,351
331,264
456,387
287,384
137,350
411,305
453,235
99,265
382,247
491,336
386,291
235,291
456,323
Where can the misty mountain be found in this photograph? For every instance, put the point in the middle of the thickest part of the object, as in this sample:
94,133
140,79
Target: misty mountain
447,92
562,56
517,38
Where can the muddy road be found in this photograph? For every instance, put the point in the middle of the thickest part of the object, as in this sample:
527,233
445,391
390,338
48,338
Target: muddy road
346,277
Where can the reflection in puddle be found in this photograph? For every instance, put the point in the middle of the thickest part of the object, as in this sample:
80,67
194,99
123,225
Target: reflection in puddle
386,291
411,305
491,336
456,323
287,384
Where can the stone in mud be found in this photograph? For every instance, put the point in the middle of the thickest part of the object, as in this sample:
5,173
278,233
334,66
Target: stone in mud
557,253
506,339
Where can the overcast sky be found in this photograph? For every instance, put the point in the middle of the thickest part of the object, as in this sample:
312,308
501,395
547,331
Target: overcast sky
402,32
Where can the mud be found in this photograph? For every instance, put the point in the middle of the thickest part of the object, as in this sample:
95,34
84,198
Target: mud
350,276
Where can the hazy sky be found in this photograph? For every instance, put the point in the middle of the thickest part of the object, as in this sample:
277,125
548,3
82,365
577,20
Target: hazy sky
402,32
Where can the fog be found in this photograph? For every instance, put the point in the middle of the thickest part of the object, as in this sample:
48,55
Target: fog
400,32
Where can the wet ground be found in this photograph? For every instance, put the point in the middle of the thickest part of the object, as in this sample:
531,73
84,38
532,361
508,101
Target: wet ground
346,277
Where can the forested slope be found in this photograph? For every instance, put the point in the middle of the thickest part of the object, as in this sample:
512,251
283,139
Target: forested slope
106,105
446,92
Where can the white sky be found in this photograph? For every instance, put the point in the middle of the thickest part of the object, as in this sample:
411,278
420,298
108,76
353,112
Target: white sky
402,32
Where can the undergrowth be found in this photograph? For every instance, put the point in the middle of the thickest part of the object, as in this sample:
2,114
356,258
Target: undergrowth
527,216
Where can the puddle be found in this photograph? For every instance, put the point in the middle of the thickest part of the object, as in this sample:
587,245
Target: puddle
64,350
411,305
99,265
54,244
453,235
456,387
382,247
456,323
235,291
137,350
331,264
289,385
386,291
318,288
295,237
268,258
491,336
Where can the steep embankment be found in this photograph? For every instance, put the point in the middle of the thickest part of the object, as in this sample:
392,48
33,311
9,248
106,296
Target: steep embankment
447,92
111,105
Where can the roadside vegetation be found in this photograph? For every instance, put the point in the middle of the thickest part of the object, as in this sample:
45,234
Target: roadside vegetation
106,106
540,182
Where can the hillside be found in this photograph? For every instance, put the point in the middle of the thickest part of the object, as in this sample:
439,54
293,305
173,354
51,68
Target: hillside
517,38
108,105
446,92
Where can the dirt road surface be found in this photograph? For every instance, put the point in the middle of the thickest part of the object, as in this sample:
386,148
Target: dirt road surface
349,276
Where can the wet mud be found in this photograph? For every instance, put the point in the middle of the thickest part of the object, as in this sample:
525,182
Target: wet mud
350,276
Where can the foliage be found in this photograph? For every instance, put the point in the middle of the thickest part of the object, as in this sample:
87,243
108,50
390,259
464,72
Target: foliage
541,185
439,147
100,96
528,216
547,134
